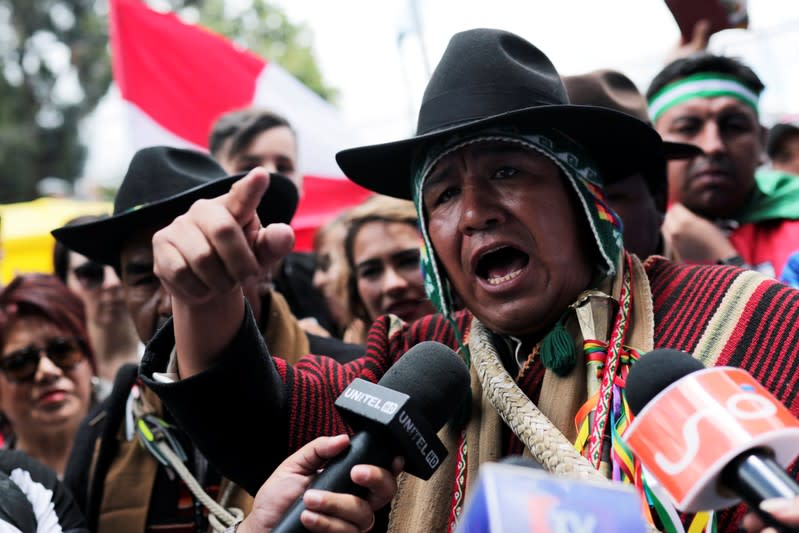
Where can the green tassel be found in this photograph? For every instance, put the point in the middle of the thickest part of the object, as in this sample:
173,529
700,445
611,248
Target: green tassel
557,350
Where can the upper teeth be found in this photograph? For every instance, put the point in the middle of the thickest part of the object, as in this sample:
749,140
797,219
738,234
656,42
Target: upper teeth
502,279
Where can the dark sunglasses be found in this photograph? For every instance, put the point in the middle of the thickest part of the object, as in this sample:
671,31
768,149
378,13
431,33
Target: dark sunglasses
20,365
90,274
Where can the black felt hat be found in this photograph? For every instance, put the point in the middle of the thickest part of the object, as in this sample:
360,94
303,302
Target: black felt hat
161,183
491,77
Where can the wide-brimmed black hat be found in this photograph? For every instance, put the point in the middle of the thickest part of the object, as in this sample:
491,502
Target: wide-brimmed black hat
161,183
491,77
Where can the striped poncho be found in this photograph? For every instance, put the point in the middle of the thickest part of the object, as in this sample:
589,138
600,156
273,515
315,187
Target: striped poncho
249,411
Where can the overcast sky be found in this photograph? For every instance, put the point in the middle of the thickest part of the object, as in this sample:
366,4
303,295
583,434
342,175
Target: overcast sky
381,83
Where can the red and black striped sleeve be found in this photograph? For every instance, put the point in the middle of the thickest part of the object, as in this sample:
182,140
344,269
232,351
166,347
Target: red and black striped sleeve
314,383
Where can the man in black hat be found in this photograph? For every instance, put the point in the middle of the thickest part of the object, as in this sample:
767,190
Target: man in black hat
508,179
160,184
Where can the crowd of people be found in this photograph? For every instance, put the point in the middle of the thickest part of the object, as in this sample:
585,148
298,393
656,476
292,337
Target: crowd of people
549,229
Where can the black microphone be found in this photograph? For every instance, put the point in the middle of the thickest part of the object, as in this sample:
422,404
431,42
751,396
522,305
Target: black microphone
400,415
731,400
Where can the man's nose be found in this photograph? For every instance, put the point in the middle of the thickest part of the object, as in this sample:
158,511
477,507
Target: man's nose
479,210
710,140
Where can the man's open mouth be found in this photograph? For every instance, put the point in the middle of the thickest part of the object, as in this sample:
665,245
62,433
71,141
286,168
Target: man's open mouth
501,264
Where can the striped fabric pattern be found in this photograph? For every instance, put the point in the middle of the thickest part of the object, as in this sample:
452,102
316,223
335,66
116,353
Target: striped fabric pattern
762,338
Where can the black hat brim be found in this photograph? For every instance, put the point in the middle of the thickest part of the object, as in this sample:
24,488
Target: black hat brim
619,143
102,240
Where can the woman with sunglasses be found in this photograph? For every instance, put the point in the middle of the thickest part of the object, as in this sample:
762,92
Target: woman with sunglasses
109,325
46,367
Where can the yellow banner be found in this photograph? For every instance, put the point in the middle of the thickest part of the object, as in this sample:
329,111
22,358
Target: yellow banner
25,241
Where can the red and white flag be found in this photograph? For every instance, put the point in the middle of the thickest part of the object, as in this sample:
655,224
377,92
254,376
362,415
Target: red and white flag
176,79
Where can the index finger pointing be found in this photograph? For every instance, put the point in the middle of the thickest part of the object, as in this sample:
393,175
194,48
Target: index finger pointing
246,194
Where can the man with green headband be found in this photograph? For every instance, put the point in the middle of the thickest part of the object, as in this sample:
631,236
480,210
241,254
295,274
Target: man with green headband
524,260
724,209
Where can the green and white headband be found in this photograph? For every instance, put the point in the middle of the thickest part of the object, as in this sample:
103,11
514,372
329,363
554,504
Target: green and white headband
702,85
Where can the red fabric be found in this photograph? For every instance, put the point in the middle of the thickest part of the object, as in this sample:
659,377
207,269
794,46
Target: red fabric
172,71
184,77
771,241
322,200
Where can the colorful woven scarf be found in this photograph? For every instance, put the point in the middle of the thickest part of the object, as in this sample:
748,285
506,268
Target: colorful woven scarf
607,414
581,175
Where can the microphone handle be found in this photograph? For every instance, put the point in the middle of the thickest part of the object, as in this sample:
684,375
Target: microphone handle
755,476
366,447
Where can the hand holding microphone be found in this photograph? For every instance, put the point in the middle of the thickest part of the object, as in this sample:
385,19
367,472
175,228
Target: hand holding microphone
710,437
326,511
398,416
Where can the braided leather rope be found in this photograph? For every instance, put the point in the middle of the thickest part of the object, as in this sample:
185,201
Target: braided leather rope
546,443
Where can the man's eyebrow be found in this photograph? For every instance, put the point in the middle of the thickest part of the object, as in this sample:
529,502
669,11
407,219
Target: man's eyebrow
480,150
435,178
